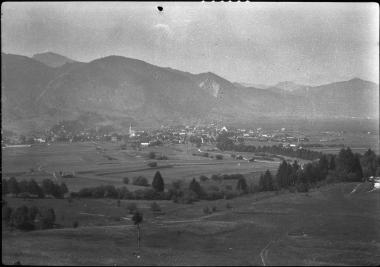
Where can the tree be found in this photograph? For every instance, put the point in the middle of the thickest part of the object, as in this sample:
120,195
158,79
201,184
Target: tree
21,220
4,186
323,166
266,182
12,185
158,182
137,219
48,186
140,180
152,155
64,189
196,187
47,218
33,212
6,213
332,163
369,163
35,189
242,185
283,174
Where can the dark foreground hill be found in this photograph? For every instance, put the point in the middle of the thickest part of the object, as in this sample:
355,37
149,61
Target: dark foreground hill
329,226
118,90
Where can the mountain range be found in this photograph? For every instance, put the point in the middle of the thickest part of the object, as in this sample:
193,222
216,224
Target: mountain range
40,91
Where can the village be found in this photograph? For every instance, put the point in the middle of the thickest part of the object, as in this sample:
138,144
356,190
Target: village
140,138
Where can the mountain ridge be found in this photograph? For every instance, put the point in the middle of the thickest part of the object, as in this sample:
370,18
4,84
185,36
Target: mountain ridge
118,88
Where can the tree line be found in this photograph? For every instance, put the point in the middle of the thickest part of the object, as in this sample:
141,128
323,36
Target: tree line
27,219
344,167
224,143
30,188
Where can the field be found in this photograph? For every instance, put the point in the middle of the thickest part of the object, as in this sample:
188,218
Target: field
95,164
331,225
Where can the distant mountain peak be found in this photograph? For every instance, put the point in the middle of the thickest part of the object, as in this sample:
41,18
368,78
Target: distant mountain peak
52,59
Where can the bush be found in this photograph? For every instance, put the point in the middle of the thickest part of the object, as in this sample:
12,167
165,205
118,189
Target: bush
214,209
6,214
302,188
188,197
216,178
213,188
219,157
228,187
152,155
228,206
293,189
206,210
214,195
126,180
141,181
131,207
163,157
155,207
47,218
203,178
75,224
152,164
21,220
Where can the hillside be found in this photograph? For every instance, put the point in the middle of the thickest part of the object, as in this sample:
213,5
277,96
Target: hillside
52,59
120,89
328,226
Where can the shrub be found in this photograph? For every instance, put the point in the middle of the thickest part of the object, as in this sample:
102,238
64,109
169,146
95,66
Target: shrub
206,210
152,164
6,213
126,180
213,188
203,178
228,206
188,197
228,187
152,155
155,207
216,178
131,207
293,189
302,187
21,220
214,195
75,224
214,209
219,157
242,185
141,181
196,188
47,218
163,157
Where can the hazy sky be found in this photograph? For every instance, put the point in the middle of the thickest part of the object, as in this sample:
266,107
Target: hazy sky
310,43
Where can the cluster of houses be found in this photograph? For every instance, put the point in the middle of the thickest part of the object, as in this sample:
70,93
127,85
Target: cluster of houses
180,134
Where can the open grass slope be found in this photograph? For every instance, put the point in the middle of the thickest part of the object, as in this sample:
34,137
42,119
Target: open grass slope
330,225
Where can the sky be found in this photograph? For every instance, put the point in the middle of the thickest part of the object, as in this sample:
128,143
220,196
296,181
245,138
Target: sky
260,43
